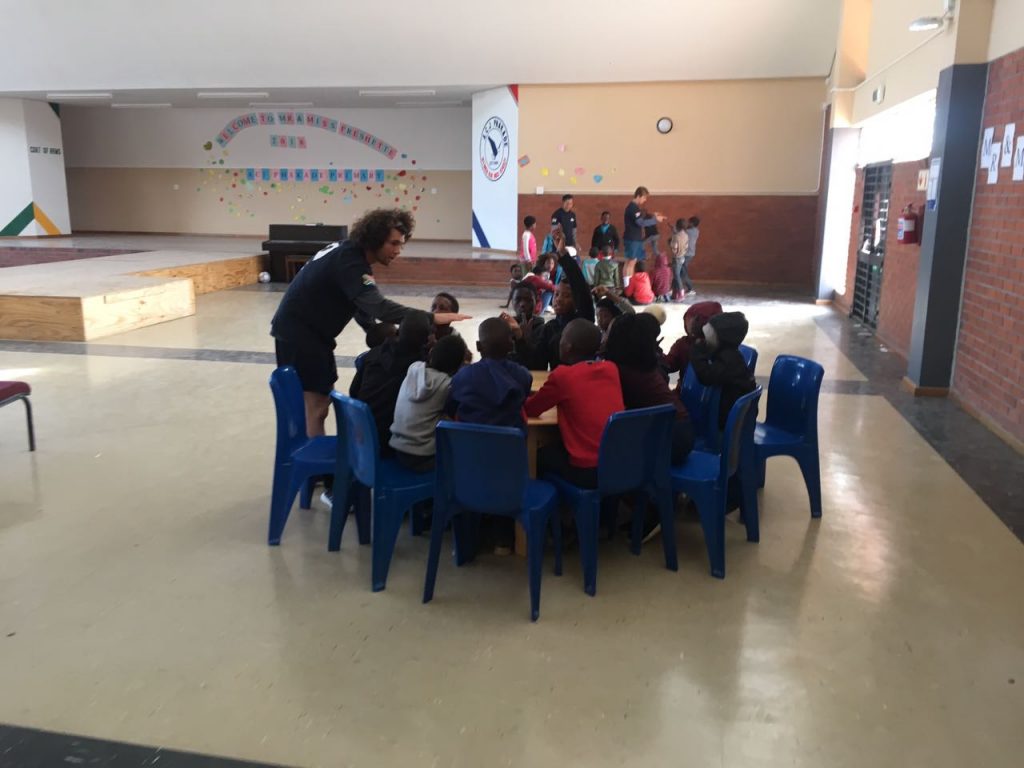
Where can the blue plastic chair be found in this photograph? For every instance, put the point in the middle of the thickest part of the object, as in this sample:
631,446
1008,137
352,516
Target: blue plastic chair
702,404
360,359
634,458
298,459
750,357
790,427
483,469
394,489
704,477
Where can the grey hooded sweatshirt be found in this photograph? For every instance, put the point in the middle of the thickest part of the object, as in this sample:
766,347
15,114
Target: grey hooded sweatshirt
421,401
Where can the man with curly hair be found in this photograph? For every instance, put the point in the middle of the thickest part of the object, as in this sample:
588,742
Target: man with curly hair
334,287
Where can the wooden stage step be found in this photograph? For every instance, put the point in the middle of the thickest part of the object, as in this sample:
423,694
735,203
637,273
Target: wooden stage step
92,298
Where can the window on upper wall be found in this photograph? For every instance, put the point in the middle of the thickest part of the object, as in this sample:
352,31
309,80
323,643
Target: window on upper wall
899,134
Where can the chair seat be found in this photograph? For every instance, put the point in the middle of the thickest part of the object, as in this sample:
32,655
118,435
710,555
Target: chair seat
538,495
318,449
769,436
14,389
396,477
699,466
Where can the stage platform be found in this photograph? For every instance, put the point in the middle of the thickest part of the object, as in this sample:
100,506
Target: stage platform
88,297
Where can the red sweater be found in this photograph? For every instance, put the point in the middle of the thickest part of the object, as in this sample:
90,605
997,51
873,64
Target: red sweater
586,394
639,288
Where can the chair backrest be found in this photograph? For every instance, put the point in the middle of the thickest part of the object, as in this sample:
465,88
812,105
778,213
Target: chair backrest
357,432
360,359
749,357
739,428
636,449
793,395
702,404
291,411
480,467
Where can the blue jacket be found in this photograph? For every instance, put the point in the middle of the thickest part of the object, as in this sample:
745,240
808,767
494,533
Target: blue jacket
490,392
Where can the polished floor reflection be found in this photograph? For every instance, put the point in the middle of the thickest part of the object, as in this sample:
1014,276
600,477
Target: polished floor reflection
140,603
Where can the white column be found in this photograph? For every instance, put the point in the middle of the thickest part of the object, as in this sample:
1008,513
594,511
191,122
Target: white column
33,196
495,146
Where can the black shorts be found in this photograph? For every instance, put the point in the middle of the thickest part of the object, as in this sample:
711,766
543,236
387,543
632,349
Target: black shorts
313,362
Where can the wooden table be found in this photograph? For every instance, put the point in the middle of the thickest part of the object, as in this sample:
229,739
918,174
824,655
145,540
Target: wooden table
540,431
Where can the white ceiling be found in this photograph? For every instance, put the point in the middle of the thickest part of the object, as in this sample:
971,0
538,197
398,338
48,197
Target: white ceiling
153,46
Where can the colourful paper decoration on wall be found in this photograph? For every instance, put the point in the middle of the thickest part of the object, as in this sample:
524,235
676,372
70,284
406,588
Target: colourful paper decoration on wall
598,178
544,171
524,161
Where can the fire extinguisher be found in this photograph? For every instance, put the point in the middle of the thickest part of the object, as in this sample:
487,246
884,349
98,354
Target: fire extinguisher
906,226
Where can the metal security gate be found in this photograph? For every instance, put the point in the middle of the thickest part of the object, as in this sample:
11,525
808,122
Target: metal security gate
874,223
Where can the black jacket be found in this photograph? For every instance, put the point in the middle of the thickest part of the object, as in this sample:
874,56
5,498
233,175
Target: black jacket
333,287
724,366
551,334
378,382
602,240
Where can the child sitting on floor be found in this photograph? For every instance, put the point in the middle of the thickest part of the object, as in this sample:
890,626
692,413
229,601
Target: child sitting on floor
590,264
514,281
639,289
606,273
587,393
421,401
539,279
661,278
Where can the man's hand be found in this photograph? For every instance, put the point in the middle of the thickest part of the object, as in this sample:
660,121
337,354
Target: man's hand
447,318
661,217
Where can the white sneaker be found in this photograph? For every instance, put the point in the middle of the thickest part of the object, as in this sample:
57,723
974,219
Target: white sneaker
327,499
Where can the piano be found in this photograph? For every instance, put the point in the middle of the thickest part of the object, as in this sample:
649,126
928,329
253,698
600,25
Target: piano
291,245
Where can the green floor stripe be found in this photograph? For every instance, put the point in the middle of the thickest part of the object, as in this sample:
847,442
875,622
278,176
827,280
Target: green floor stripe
19,222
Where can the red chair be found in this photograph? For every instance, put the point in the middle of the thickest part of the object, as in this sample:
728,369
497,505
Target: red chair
19,390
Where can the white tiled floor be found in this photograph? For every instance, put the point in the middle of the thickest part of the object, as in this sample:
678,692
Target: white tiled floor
139,601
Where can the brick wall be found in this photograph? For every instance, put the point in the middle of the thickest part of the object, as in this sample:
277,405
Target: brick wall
845,300
899,275
989,374
743,238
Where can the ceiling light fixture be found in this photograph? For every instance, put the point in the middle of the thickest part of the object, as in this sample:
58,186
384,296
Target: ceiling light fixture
71,96
280,103
928,23
143,105
397,92
454,103
232,95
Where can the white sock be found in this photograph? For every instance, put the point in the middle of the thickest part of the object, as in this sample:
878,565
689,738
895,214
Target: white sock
625,281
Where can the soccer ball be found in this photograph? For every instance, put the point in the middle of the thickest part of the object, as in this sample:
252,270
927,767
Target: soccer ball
264,277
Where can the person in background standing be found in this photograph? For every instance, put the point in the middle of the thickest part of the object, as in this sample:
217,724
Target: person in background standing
692,232
678,245
565,218
528,252
605,234
633,232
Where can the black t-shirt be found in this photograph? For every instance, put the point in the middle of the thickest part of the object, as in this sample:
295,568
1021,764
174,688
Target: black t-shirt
333,287
567,220
633,230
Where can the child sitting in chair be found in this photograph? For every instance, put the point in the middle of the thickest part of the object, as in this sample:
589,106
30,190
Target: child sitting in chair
587,393
718,362
421,402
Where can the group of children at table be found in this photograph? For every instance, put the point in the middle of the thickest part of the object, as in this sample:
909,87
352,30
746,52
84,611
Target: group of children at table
416,375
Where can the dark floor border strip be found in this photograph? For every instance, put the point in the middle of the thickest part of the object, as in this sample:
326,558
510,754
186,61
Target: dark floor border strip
991,468
22,747
151,353
829,386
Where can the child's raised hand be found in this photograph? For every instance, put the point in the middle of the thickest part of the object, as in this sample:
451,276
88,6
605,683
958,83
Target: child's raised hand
513,324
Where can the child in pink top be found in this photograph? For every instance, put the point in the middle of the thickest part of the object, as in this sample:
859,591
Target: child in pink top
528,251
